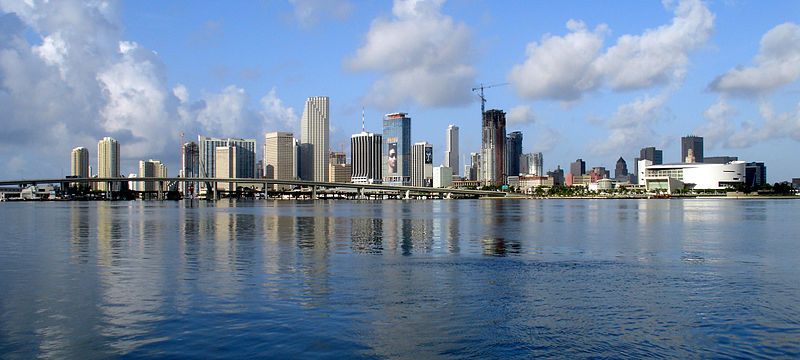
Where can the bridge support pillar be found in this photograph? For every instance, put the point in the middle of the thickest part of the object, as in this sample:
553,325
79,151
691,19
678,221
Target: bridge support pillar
408,194
160,190
314,192
108,190
361,193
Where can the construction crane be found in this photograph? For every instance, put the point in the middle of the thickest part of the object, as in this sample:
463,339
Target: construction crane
483,98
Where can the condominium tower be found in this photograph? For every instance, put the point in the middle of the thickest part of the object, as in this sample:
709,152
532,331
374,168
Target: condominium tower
280,156
314,130
79,164
422,164
451,149
107,160
493,148
513,152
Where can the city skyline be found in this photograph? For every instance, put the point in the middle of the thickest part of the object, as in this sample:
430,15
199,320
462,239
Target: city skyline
599,108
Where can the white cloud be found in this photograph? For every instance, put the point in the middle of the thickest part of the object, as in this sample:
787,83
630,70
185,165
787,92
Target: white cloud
719,128
775,126
632,125
275,114
80,81
520,115
566,67
309,12
422,55
560,68
777,64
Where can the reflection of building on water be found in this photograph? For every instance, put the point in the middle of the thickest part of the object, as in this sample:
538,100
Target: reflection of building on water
79,231
366,235
500,246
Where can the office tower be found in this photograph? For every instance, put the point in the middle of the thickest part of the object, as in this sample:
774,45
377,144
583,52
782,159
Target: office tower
225,161
340,173
493,148
396,149
337,158
305,161
695,143
190,167
538,164
451,149
719,159
79,163
755,174
280,156
422,164
577,168
366,155
557,175
513,151
526,164
151,168
651,153
474,167
600,172
245,156
107,160
314,130
621,170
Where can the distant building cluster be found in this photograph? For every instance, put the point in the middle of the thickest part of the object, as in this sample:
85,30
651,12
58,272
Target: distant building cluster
392,158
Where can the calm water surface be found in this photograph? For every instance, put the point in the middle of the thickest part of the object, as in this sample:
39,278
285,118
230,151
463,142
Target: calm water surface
401,279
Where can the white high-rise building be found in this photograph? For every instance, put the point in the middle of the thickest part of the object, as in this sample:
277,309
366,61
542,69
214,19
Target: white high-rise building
79,164
245,156
422,164
107,160
314,130
451,149
280,156
537,165
366,154
151,168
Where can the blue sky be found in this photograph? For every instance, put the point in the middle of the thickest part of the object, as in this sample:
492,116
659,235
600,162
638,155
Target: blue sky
588,79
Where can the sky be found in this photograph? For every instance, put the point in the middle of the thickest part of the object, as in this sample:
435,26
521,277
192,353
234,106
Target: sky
583,79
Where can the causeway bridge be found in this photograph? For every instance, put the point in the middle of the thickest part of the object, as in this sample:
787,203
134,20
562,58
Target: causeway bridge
233,183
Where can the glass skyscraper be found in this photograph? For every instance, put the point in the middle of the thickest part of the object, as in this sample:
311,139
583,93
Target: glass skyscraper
397,149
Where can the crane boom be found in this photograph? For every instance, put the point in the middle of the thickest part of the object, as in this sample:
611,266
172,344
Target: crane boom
483,98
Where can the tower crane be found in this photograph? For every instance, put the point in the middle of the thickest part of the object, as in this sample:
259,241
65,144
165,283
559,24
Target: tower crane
483,98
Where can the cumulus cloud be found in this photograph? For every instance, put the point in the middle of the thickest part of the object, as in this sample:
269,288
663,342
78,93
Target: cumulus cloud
777,64
520,115
421,54
718,128
309,12
632,125
566,67
774,126
68,78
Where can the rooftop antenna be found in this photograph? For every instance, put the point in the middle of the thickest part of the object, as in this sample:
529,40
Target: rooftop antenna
362,119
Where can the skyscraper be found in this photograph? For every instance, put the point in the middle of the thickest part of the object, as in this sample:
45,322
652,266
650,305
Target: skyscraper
652,154
107,160
315,130
493,148
474,167
245,156
396,149
538,164
513,152
451,149
151,168
422,164
79,163
696,144
577,168
279,156
366,156
621,170
190,167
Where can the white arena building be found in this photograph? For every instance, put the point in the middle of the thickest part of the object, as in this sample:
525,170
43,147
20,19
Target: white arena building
691,176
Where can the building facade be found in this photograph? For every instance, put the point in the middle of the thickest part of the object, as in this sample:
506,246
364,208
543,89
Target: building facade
695,144
492,169
190,167
79,162
755,174
577,168
151,168
397,149
107,160
245,155
315,130
280,156
451,153
340,173
513,152
695,176
422,164
366,156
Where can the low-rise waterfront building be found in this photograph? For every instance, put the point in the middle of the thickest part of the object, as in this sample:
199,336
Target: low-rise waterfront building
693,176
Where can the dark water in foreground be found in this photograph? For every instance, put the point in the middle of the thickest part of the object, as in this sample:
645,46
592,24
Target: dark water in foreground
401,279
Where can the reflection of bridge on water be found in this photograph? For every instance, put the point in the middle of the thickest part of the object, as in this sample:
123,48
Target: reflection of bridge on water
315,189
